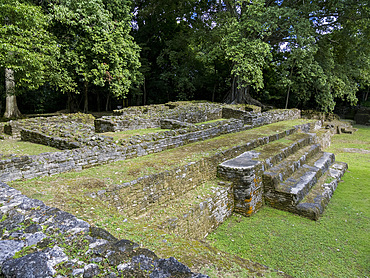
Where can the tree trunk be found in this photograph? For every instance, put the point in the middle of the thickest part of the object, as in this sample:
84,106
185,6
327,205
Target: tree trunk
107,103
213,93
288,92
11,108
214,85
144,96
98,100
367,94
86,103
287,98
71,103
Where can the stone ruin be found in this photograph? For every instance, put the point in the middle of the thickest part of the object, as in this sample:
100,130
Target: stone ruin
295,175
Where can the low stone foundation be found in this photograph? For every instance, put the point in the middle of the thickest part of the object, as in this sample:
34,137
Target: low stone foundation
77,159
271,116
149,116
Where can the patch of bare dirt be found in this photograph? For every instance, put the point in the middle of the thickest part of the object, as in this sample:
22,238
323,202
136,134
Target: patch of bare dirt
354,150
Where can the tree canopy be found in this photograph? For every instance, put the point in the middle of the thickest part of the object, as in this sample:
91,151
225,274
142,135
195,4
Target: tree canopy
26,49
305,54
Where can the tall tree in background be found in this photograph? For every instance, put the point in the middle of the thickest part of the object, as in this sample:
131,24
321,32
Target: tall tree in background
167,32
302,53
306,54
96,47
27,50
242,26
321,56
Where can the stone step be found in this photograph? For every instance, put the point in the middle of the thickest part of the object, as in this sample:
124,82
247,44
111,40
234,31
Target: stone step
273,153
288,166
246,170
290,192
314,203
194,214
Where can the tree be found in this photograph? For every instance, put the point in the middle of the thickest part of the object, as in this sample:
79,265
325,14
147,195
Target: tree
96,47
326,48
242,29
27,50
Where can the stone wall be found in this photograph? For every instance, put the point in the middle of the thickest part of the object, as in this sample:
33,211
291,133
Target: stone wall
124,122
41,241
77,159
238,111
42,139
246,176
152,109
74,139
271,116
141,117
191,133
195,113
28,167
204,217
64,132
51,125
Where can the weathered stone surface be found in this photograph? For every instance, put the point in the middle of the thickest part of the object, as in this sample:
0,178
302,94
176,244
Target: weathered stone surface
8,248
91,270
161,268
133,199
35,265
198,218
314,203
46,254
244,172
173,124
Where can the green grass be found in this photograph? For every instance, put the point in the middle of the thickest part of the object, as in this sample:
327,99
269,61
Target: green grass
337,245
128,133
208,122
18,148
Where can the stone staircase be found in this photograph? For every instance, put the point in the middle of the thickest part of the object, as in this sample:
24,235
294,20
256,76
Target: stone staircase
291,174
304,182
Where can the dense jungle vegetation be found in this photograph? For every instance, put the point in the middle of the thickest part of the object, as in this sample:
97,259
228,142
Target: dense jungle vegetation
97,54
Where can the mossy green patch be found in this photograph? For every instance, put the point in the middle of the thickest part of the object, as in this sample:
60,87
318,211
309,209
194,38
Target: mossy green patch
19,148
128,133
208,122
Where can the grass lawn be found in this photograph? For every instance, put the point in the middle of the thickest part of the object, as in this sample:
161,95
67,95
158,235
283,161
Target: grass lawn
337,245
19,148
128,133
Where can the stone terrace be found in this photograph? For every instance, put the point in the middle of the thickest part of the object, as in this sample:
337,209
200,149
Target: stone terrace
280,164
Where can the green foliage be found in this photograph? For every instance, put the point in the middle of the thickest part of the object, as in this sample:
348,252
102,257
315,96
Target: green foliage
26,46
310,53
242,33
306,54
95,49
325,53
